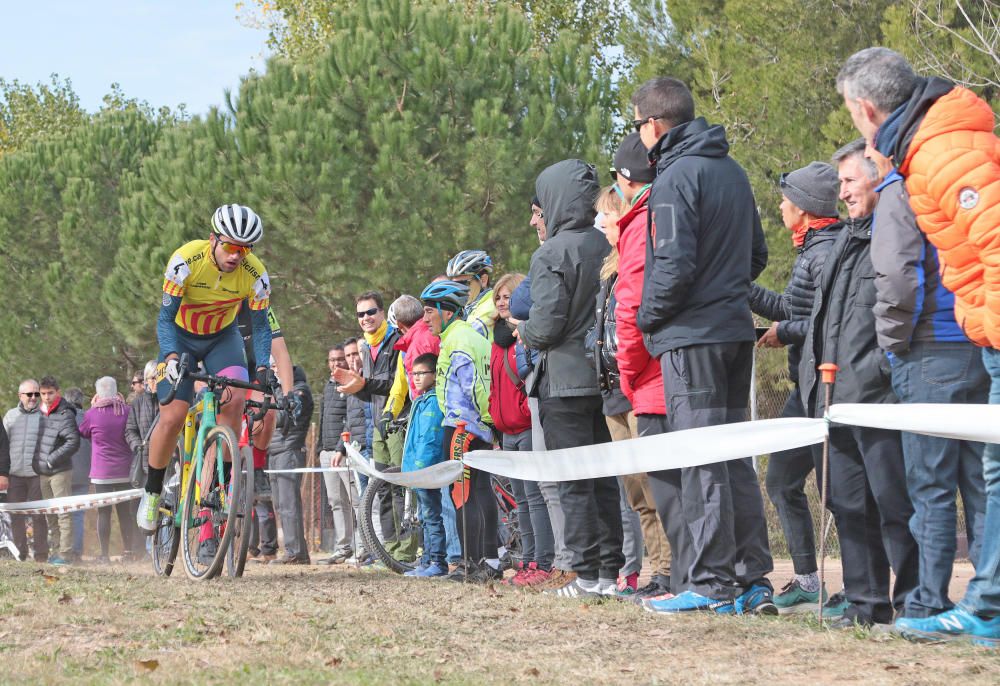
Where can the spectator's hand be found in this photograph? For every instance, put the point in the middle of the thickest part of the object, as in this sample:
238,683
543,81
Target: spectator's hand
338,459
3,483
770,338
383,424
350,382
513,322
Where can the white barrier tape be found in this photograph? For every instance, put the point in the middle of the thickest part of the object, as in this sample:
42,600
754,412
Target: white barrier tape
675,450
306,470
962,422
71,503
435,476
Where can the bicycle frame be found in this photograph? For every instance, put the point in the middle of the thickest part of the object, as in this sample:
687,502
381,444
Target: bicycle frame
194,445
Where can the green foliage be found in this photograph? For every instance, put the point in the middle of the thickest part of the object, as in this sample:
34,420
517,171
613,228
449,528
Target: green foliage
30,113
371,164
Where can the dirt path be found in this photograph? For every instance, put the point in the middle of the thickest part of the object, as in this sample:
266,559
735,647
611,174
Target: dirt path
312,625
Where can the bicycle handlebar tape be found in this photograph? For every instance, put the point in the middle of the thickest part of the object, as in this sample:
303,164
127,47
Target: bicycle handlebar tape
461,441
829,372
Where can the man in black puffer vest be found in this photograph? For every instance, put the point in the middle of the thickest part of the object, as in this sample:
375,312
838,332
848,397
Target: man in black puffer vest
53,463
809,211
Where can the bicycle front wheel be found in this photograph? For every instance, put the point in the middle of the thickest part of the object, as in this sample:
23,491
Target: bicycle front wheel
242,525
210,507
390,524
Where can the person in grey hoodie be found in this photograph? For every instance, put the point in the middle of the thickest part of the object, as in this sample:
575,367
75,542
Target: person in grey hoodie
565,279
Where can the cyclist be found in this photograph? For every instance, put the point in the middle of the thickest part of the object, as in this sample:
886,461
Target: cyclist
473,268
204,286
463,391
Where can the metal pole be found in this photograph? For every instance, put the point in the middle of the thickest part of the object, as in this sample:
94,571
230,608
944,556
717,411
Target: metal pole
352,476
829,375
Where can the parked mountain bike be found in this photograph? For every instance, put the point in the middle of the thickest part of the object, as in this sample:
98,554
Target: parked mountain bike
209,503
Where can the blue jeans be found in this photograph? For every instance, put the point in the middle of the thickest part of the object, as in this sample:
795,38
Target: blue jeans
950,373
435,548
78,523
449,515
983,595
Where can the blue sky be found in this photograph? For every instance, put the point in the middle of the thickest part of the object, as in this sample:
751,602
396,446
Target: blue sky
166,52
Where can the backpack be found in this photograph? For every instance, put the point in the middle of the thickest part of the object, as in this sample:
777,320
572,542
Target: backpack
508,399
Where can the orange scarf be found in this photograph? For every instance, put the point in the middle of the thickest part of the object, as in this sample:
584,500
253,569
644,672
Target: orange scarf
799,232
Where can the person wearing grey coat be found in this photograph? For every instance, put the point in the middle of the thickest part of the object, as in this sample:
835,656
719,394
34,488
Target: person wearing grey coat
565,279
23,424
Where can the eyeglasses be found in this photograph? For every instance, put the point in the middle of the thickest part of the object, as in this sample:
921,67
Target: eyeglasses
423,373
36,394
135,381
233,248
368,313
639,123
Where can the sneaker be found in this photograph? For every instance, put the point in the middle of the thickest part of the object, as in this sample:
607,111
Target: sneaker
263,559
836,606
338,558
688,601
521,571
576,588
430,571
757,600
261,486
794,599
845,622
207,550
362,559
463,571
419,568
58,561
628,585
291,560
485,573
656,587
148,513
949,626
557,579
536,578
609,588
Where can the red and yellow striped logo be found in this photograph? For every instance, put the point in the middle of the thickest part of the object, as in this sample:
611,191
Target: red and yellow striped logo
207,318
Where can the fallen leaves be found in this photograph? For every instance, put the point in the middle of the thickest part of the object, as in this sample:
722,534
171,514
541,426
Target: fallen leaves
148,665
334,662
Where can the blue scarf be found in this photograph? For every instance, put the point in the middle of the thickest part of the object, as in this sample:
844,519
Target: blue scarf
885,137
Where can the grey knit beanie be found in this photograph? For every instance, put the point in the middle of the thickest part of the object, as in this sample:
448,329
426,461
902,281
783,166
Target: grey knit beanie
813,189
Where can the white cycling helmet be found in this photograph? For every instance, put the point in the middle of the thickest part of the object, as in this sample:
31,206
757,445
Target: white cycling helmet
238,223
469,262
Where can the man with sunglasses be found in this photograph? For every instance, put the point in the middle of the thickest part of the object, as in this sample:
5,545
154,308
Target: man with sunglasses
203,288
23,424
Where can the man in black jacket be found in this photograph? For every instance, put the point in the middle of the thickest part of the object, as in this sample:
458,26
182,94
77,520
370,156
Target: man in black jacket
332,421
705,246
809,211
565,279
287,451
53,463
867,481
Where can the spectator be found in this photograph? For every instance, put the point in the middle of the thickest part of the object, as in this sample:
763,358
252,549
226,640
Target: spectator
462,388
941,138
473,268
564,277
809,212
510,364
617,410
867,492
53,463
379,360
81,471
287,451
144,409
932,362
424,447
641,378
339,490
23,424
360,426
708,247
104,424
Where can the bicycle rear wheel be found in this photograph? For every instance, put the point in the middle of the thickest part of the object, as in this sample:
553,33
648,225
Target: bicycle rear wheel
236,554
406,519
210,508
166,538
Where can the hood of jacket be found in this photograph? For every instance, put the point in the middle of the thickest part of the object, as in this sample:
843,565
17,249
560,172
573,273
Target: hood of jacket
567,191
695,137
907,122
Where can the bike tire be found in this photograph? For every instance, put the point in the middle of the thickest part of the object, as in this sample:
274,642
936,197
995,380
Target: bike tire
221,517
166,538
236,554
370,532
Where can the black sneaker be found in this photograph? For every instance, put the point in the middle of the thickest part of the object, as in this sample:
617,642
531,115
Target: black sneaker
658,585
485,573
464,571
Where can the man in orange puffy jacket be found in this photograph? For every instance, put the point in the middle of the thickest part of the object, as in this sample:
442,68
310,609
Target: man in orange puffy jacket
940,138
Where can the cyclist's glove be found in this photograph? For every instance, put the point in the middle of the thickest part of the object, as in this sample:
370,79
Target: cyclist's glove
172,371
266,379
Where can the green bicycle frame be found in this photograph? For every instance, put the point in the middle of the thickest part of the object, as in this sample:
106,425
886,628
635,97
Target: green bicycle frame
194,434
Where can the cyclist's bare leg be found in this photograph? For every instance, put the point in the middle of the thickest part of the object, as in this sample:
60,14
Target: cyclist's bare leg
164,436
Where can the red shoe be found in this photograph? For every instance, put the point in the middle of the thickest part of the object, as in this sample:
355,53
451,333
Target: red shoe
540,577
628,585
519,574
529,573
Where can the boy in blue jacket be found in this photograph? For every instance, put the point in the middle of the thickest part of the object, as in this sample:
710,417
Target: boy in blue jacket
423,448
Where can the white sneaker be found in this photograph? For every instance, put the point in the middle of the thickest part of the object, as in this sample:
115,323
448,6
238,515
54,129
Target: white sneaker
608,587
149,512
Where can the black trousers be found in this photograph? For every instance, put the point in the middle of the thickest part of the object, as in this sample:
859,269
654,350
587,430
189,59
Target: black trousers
126,521
872,509
23,489
593,532
477,525
707,385
787,472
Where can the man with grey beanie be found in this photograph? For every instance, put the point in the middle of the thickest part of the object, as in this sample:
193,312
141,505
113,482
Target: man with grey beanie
809,212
